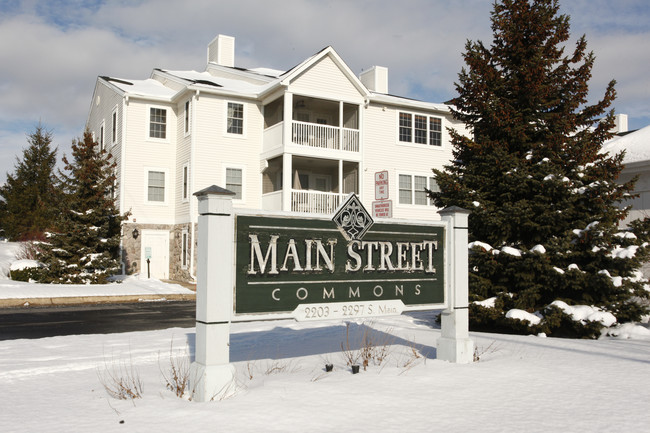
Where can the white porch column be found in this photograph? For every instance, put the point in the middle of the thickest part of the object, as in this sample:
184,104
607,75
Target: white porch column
341,193
340,146
287,181
454,345
287,116
211,372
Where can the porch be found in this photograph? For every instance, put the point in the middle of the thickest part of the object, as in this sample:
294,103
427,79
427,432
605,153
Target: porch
315,185
314,124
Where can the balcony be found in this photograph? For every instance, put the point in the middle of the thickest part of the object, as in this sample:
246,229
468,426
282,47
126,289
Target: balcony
324,136
314,201
313,135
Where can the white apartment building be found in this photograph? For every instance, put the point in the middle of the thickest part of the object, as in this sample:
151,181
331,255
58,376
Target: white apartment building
296,141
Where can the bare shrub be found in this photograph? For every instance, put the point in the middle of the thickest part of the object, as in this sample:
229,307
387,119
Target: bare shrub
413,357
177,378
372,348
121,380
29,250
480,351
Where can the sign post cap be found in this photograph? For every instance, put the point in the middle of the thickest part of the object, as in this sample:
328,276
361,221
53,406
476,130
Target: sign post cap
213,190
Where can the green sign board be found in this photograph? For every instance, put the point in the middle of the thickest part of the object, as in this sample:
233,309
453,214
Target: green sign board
282,263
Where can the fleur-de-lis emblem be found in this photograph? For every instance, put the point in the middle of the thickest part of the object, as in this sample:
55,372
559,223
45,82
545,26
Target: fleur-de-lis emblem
353,219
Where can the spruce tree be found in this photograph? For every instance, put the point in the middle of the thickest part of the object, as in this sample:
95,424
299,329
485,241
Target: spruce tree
84,248
28,203
544,200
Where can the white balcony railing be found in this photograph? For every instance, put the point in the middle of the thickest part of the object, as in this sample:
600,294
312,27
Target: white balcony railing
314,201
324,136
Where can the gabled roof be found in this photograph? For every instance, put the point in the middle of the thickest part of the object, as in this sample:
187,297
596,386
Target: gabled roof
250,83
299,69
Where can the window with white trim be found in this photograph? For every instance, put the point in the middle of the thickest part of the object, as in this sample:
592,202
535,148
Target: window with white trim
420,129
114,127
234,182
185,249
101,137
156,186
235,118
187,117
412,189
158,123
186,182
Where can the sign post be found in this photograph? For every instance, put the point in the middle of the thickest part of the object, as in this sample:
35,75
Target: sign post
454,345
211,371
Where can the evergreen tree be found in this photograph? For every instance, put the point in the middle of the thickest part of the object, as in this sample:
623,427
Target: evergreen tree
28,203
543,199
84,248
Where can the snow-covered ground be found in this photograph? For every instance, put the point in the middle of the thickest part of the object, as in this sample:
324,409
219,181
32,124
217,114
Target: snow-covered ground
519,383
130,286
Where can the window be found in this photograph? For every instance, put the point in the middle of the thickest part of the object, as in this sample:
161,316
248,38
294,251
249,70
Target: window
156,186
435,131
184,249
235,119
405,189
405,127
234,182
186,182
187,117
114,127
158,123
101,137
420,129
412,189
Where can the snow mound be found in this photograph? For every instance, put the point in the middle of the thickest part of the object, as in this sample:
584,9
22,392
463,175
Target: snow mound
486,247
487,303
628,331
539,249
23,264
586,313
523,315
511,251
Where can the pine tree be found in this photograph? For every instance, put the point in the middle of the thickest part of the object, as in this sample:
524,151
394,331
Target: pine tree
84,248
28,203
541,193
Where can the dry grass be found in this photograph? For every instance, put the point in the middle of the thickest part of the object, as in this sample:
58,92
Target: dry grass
177,378
121,380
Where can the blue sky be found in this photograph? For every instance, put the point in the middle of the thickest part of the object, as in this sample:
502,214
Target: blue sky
51,51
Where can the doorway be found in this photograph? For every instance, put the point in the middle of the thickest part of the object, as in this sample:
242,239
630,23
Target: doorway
155,247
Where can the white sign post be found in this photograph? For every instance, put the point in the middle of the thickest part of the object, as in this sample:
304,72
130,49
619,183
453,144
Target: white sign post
454,345
211,372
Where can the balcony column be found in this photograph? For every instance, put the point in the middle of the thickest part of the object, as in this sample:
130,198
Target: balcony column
287,180
340,144
340,181
287,115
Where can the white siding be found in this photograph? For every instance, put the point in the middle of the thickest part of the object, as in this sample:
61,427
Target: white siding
183,149
105,101
143,153
324,79
383,151
216,150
